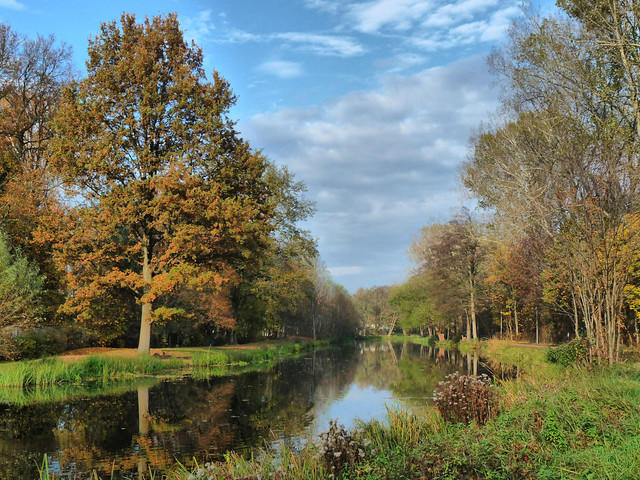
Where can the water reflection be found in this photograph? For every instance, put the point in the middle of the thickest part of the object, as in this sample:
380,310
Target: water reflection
138,427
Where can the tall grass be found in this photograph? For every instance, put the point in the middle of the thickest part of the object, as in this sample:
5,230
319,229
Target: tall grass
55,371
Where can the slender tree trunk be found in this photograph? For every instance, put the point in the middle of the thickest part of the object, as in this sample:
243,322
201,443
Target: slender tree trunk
144,340
468,325
515,318
472,307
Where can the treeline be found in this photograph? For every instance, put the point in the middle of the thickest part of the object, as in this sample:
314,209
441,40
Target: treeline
557,173
128,200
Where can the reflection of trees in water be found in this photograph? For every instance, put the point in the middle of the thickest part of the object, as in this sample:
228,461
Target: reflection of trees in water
172,420
411,371
187,418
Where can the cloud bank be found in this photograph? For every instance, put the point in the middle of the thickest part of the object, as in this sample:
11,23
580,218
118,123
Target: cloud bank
380,164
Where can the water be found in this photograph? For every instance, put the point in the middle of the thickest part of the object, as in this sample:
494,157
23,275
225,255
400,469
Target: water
128,428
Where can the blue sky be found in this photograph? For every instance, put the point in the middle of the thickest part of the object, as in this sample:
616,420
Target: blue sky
369,102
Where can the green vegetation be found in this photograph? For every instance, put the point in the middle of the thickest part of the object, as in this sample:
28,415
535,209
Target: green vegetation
54,371
201,361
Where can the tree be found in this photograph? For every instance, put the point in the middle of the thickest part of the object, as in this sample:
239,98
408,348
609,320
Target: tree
453,254
171,196
20,290
32,75
376,313
414,304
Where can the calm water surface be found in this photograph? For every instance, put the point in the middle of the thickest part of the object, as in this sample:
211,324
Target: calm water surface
129,428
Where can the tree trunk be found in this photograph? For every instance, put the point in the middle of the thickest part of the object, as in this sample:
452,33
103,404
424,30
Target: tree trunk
468,325
144,340
472,306
515,319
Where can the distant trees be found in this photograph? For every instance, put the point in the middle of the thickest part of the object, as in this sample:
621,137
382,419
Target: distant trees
375,311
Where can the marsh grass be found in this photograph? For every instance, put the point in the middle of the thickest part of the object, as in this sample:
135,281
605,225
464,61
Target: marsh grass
38,394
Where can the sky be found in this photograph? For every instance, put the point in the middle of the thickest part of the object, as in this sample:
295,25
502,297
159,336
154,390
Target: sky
370,103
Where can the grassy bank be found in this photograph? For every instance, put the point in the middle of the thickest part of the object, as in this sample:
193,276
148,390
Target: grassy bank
198,361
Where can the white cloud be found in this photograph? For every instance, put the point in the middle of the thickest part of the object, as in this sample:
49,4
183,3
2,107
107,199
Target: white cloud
380,164
281,69
397,14
199,28
12,4
489,28
328,45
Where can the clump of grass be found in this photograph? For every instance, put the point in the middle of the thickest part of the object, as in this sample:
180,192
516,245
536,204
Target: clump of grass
466,399
54,371
402,429
213,358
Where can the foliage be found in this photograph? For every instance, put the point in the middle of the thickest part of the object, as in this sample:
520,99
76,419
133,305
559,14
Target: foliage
574,352
376,313
20,291
413,303
452,256
32,74
464,398
560,163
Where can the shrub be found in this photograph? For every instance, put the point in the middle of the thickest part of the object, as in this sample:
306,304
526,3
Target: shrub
338,448
574,352
464,399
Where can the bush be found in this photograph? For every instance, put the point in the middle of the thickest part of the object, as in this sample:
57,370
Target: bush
338,449
574,352
50,341
464,399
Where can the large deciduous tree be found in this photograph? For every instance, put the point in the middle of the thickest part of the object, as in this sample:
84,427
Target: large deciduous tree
169,195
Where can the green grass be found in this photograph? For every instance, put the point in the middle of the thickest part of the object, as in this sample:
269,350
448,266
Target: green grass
55,371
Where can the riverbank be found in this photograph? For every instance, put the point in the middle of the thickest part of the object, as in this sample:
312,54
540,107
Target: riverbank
93,364
553,422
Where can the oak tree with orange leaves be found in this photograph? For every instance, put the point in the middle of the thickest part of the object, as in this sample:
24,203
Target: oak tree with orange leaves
168,195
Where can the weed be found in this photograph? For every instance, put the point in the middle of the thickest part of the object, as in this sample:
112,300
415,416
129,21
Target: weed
338,449
464,399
